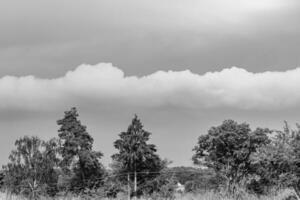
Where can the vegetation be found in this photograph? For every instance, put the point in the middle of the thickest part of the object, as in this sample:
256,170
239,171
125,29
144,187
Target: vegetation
228,148
136,157
80,164
231,162
32,167
278,162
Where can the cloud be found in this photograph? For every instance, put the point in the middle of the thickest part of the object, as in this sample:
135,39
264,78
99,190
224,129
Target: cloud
89,19
103,84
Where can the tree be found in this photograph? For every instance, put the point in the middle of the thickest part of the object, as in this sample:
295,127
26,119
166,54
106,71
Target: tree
31,169
227,149
79,160
135,155
278,163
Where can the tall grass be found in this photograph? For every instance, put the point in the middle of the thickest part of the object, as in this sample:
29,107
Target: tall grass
278,195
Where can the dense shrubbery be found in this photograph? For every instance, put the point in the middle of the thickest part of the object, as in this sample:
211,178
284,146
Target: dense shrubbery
230,157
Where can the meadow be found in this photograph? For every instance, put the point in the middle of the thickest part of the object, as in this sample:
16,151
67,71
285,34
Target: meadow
286,194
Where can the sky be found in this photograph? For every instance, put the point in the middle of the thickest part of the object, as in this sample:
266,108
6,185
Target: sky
181,66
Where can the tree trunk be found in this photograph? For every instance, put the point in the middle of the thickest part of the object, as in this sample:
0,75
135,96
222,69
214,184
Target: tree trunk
135,184
128,182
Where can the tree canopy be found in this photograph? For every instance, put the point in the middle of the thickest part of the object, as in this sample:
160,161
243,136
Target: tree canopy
31,169
79,160
278,162
135,154
227,149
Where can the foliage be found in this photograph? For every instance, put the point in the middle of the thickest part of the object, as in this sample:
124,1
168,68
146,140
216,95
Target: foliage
165,187
113,186
231,154
2,176
136,155
227,149
197,179
278,163
79,161
31,169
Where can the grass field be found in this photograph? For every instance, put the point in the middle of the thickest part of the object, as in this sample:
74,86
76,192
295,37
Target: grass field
280,195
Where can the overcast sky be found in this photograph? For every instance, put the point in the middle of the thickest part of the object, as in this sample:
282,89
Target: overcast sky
182,66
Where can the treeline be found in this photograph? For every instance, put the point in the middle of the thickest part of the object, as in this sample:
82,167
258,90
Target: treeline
228,157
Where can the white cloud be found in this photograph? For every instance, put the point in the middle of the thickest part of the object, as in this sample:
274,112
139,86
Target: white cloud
104,84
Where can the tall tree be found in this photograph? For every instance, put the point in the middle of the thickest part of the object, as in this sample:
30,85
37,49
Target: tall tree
79,160
32,167
227,149
135,155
